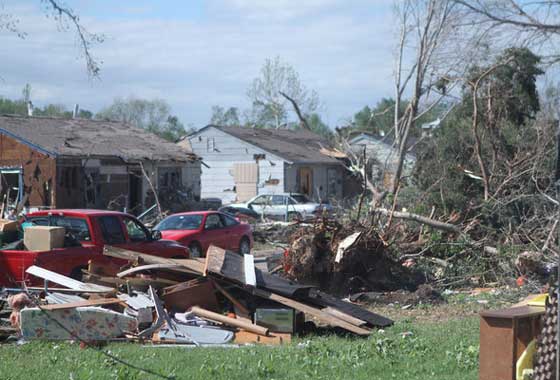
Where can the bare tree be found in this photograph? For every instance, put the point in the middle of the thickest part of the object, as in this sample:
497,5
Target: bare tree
525,23
278,84
68,19
425,27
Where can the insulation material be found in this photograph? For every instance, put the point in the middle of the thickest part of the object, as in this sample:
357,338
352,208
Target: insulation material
84,323
245,176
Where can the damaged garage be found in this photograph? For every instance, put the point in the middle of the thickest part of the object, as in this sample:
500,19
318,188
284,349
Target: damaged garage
78,163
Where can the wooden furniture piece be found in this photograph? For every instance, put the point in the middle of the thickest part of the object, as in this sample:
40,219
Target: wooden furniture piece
504,335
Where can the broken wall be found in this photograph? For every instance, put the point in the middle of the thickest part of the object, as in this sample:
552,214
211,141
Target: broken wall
327,180
39,171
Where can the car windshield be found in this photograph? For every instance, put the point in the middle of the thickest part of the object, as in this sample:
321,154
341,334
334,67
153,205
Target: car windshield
300,198
180,222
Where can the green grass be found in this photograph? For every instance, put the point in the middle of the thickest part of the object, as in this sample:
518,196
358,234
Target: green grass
433,351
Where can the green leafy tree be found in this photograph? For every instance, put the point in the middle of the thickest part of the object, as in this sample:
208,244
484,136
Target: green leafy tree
152,115
223,117
503,137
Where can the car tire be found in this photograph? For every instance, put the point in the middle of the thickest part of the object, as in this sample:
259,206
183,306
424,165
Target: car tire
195,250
244,246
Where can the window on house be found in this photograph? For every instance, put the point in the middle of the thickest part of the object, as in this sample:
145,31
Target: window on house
210,144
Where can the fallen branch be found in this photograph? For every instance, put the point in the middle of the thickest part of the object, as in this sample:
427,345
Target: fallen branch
419,219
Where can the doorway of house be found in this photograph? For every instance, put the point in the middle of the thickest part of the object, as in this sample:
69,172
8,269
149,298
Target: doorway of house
11,190
306,181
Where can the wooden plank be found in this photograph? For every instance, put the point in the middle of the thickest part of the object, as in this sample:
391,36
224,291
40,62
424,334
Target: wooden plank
185,265
72,305
322,300
345,317
244,337
231,266
200,312
143,268
65,281
232,299
317,313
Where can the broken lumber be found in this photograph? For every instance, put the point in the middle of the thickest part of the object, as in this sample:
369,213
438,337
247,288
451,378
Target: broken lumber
246,337
206,314
232,299
186,265
143,268
317,313
346,317
93,302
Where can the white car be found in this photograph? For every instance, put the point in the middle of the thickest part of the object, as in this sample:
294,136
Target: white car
294,206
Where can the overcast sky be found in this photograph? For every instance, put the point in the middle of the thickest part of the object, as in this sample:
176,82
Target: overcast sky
196,53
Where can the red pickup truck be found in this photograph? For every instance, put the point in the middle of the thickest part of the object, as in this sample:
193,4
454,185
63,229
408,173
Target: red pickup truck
87,232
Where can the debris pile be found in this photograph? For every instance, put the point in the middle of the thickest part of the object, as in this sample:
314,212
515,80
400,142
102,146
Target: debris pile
218,300
346,259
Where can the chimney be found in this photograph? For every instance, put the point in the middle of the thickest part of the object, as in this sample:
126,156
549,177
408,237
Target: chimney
76,111
29,108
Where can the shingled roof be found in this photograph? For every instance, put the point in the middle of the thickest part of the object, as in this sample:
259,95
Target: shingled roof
295,146
91,138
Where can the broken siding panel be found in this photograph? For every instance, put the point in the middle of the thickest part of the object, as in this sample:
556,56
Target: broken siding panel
39,171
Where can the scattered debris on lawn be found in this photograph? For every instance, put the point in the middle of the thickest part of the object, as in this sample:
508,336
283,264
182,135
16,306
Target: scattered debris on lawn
219,300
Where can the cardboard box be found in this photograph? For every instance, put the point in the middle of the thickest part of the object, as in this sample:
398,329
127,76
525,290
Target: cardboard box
43,238
279,320
8,225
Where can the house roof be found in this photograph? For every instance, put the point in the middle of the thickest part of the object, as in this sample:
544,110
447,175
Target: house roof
91,138
295,146
388,140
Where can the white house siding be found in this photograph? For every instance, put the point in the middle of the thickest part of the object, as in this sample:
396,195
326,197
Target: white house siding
220,151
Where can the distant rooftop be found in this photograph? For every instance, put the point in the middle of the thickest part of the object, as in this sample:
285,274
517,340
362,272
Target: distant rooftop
91,138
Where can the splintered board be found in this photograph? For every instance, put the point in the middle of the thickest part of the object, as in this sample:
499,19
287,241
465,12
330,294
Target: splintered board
184,265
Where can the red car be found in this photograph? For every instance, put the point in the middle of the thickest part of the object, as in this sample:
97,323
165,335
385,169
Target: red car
197,230
90,231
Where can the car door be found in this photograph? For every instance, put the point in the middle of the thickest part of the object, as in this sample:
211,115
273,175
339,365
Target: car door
232,232
213,233
112,230
261,204
279,205
138,236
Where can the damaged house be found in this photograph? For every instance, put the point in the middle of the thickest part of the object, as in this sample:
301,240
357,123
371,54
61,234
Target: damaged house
382,156
78,163
244,162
